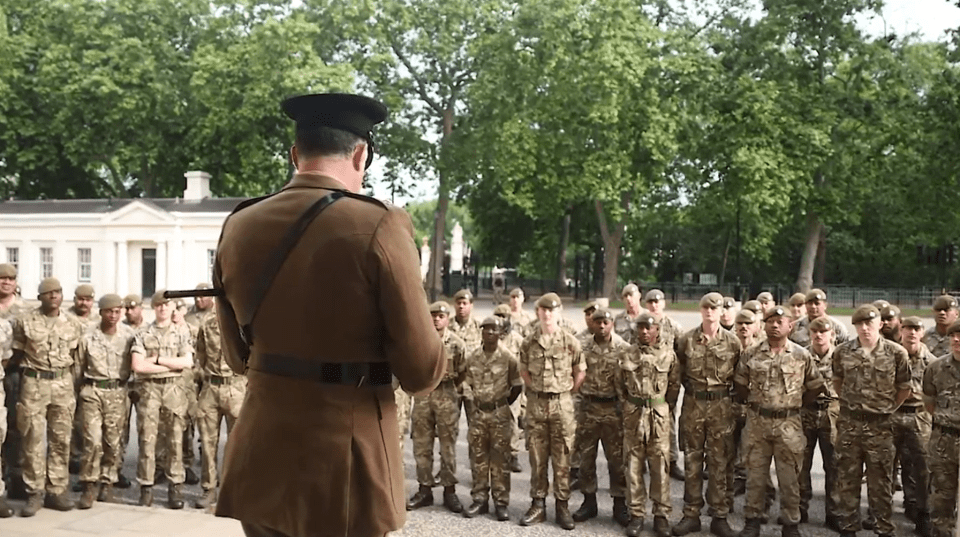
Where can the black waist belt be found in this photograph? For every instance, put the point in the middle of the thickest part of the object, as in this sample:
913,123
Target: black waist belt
780,413
863,415
111,384
947,430
45,375
546,395
818,405
345,374
599,399
490,407
217,380
162,380
909,409
638,401
711,395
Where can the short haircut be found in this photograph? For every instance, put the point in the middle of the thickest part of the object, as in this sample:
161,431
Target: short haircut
325,141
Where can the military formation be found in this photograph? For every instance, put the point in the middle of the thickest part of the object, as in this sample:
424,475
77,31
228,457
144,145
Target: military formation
71,378
747,387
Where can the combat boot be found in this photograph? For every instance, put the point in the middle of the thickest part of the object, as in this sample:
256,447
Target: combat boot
476,508
89,495
34,504
923,527
146,496
515,464
208,498
191,477
574,478
422,498
635,527
564,519
175,496
501,513
661,526
790,530
536,514
676,472
721,528
832,522
107,494
588,509
59,502
450,500
869,522
5,510
687,525
620,514
751,528
123,482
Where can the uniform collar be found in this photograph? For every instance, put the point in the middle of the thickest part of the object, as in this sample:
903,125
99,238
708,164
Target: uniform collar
313,180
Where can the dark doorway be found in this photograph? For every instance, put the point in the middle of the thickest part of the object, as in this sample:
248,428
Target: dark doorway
148,267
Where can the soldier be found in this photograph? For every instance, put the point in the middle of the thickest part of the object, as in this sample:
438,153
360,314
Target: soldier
437,415
728,314
511,339
797,309
766,301
708,355
159,355
45,340
670,332
746,331
648,384
872,377
464,325
819,420
220,399
816,305
194,317
625,324
133,317
498,284
551,366
493,381
775,377
890,324
587,333
945,314
941,396
104,357
82,307
599,418
404,406
518,318
133,311
11,306
911,429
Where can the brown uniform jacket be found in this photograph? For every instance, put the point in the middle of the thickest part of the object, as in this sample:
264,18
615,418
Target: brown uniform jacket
306,458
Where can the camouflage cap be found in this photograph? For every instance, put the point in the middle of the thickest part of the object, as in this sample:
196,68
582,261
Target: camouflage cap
752,305
490,321
601,314
132,301
865,312
7,270
49,284
814,295
711,300
912,322
502,310
84,291
880,304
653,295
765,297
629,289
204,285
729,302
798,299
463,293
889,312
955,327
549,301
591,307
945,302
110,301
820,324
516,291
158,299
648,319
441,307
746,316
777,311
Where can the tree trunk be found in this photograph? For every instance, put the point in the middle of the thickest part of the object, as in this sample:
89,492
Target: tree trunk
820,276
561,283
434,280
612,239
726,256
808,259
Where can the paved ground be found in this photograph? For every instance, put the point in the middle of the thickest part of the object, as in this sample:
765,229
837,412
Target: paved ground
128,520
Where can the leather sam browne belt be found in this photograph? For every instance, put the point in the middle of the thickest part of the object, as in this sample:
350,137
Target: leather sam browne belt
45,375
780,413
344,374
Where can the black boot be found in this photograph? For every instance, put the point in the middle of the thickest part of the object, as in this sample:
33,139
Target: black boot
751,528
635,527
450,500
146,496
34,504
122,482
90,492
676,472
5,510
721,528
790,530
422,498
574,478
515,464
923,527
477,508
59,502
588,509
536,514
564,519
689,524
620,513
661,526
501,513
175,496
869,522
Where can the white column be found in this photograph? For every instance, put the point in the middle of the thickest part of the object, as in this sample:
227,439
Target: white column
175,262
161,264
122,272
107,267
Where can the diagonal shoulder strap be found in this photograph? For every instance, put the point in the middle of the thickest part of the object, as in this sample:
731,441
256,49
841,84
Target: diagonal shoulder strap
276,260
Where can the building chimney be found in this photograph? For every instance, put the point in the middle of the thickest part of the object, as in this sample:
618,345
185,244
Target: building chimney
198,186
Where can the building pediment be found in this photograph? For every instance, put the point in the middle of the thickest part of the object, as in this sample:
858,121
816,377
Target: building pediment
138,213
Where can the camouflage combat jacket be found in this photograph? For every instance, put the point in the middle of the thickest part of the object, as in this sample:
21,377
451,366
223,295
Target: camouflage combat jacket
777,380
551,360
170,341
106,357
48,343
871,381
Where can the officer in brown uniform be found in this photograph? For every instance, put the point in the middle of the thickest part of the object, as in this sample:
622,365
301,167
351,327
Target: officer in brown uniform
872,377
104,357
625,324
941,396
552,366
708,355
648,384
911,429
324,348
775,377
45,340
599,418
437,416
945,314
11,306
670,332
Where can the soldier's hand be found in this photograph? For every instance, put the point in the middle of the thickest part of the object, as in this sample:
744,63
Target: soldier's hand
134,396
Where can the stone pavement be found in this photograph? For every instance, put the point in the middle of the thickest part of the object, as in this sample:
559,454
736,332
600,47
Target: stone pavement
114,520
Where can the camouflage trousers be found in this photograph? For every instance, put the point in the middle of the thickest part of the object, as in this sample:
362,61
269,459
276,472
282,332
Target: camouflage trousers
489,438
155,396
706,428
46,407
189,422
404,401
864,443
782,440
101,410
575,451
11,454
3,436
646,443
517,409
217,402
436,416
911,433
551,428
819,427
600,422
125,425
944,454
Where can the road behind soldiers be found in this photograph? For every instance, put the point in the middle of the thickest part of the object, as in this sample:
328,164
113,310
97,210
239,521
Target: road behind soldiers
129,520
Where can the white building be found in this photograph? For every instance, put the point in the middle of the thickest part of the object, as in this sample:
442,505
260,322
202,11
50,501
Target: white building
131,245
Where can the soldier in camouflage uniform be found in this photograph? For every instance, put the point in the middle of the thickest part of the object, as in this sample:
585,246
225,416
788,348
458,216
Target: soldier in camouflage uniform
941,396
797,308
872,377
519,318
746,329
775,377
160,353
670,332
11,306
46,340
552,366
728,314
587,333
437,415
890,322
708,355
194,317
133,317
648,384
463,324
583,337
625,325
766,301
6,351
82,309
911,429
816,306
599,418
945,314
493,381
511,339
221,397
104,357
